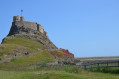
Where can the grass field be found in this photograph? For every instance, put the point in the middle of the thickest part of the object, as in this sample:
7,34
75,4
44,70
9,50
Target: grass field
54,73
28,67
112,70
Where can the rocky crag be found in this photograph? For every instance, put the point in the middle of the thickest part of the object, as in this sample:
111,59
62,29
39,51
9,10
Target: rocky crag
23,29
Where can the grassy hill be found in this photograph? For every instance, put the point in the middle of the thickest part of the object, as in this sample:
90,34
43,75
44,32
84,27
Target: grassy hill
19,46
27,67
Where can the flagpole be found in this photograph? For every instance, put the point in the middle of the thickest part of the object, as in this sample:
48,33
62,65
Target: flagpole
21,12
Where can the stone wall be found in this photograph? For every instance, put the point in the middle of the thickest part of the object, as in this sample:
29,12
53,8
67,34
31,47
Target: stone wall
20,22
26,25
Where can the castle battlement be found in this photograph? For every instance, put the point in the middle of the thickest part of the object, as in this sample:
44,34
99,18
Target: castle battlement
20,22
17,18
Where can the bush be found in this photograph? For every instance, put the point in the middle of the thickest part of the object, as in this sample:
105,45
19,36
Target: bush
105,70
42,64
71,69
13,60
67,50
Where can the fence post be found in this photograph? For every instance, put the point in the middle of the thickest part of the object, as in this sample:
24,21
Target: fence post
84,66
118,63
98,64
91,66
107,64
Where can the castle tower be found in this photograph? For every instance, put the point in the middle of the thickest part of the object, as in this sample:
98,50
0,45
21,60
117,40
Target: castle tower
41,29
16,18
22,18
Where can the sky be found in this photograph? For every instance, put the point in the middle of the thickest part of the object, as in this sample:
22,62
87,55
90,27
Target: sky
87,28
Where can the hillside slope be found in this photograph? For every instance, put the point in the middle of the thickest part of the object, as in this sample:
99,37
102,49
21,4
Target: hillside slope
18,47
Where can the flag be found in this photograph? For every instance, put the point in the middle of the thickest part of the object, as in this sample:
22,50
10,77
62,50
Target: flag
21,10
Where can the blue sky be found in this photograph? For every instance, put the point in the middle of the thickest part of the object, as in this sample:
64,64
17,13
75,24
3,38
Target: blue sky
88,28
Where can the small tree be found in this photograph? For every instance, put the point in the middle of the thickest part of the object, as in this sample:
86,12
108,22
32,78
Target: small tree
67,50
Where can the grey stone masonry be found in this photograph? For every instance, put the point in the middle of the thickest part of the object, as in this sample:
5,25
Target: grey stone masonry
26,25
20,22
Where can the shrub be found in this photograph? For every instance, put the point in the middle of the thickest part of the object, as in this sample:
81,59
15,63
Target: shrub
71,69
67,50
13,60
105,70
42,64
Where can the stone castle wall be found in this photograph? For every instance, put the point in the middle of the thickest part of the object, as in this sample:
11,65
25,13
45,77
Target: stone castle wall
26,25
20,22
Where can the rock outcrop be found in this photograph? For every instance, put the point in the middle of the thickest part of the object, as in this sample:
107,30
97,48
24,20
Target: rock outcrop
21,28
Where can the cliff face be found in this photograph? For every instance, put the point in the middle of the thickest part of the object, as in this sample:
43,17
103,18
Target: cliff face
29,30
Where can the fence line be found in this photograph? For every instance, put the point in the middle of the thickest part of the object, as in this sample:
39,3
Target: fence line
89,65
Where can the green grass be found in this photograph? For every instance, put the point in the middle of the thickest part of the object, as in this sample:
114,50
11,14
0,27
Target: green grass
54,73
19,44
31,59
37,75
17,64
27,68
71,69
20,69
10,48
23,45
31,44
113,70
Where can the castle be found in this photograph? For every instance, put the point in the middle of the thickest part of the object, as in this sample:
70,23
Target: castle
20,21
24,29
